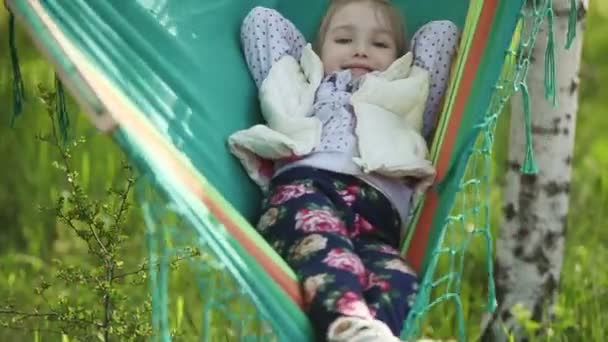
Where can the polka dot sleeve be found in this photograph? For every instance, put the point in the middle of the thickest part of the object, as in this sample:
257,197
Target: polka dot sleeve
434,45
267,36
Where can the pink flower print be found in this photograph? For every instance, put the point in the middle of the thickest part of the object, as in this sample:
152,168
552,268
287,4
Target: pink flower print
347,261
351,304
285,193
349,194
374,280
361,225
319,220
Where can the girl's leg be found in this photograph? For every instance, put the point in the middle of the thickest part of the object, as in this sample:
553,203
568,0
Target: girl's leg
303,225
392,283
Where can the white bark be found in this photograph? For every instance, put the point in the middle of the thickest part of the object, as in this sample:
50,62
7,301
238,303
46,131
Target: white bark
530,247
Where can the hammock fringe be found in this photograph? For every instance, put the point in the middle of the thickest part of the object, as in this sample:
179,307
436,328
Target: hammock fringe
17,79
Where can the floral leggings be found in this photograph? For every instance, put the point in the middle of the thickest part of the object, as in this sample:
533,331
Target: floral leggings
340,236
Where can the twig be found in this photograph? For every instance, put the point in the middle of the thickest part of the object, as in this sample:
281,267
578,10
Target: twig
144,267
122,208
73,227
58,332
50,315
107,305
68,171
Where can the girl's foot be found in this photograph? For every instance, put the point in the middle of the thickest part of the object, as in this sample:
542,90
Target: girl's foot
354,329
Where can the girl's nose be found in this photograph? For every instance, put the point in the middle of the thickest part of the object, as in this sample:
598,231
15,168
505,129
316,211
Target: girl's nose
360,50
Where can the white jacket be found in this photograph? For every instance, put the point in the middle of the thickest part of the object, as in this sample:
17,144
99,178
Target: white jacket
388,108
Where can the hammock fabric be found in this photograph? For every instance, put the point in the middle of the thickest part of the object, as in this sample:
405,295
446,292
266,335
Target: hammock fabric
171,76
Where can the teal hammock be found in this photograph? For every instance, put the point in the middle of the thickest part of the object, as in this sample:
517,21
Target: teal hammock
147,71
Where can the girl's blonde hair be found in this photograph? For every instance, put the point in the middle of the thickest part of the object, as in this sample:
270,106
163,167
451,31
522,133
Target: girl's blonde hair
389,12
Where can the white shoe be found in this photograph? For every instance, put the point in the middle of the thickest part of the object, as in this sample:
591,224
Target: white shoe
354,329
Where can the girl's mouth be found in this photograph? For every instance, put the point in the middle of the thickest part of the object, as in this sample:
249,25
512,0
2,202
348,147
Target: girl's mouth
358,69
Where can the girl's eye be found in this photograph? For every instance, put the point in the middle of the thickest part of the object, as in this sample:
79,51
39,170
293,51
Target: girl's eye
381,45
343,40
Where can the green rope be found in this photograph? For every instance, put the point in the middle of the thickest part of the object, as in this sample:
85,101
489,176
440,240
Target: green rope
572,24
158,261
18,89
529,165
492,302
63,119
550,58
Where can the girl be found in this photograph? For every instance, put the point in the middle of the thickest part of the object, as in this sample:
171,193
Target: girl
337,226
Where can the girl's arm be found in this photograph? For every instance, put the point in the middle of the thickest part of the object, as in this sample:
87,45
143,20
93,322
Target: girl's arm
434,46
267,36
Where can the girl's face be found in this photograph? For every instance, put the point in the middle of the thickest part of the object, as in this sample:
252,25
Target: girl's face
358,38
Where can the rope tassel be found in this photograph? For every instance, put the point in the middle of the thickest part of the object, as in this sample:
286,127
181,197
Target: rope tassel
550,59
18,89
573,18
63,119
529,166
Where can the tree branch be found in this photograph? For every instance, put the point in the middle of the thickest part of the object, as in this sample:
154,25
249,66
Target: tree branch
144,267
68,171
73,227
123,207
58,332
107,304
48,315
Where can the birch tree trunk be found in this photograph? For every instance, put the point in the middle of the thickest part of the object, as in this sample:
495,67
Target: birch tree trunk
530,248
